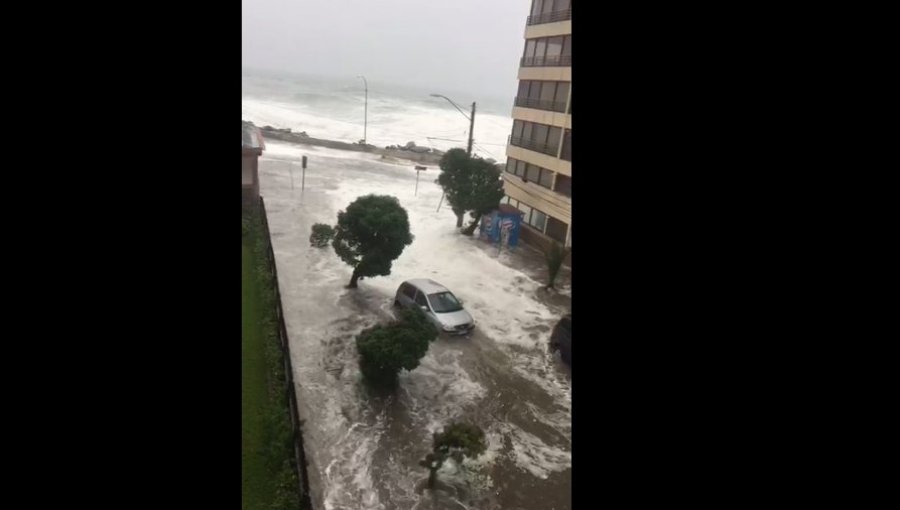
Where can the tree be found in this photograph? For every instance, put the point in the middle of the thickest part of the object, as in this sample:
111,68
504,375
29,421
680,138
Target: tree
486,191
386,349
321,235
470,184
454,180
370,235
457,440
555,256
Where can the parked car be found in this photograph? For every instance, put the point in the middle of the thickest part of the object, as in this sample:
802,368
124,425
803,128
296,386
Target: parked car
439,304
561,339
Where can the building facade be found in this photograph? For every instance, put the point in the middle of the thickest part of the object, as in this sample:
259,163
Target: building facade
538,176
252,146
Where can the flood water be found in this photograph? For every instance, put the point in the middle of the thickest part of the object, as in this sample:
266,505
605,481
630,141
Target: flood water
363,449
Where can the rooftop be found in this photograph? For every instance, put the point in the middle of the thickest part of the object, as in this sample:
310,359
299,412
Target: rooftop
251,137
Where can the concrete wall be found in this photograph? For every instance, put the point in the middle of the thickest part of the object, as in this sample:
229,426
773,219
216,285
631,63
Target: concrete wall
249,180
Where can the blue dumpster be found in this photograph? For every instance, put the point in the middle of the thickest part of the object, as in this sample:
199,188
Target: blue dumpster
504,221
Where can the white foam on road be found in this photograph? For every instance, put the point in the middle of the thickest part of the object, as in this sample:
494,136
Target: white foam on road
323,318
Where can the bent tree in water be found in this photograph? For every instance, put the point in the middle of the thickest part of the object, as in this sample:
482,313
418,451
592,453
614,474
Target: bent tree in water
370,234
471,184
457,441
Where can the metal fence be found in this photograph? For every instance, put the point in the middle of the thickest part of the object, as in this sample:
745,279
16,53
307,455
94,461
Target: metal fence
550,17
299,453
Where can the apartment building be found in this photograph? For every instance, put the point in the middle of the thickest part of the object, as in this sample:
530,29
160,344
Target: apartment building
538,176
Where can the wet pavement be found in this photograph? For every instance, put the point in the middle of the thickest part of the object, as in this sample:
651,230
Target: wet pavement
363,449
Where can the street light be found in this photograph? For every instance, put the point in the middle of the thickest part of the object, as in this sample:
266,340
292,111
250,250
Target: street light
470,119
366,114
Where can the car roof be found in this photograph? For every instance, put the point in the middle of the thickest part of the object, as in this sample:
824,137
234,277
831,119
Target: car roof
427,286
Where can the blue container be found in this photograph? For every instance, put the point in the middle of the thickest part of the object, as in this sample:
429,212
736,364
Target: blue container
504,221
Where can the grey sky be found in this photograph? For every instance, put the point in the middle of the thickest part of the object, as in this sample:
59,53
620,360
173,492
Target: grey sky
472,46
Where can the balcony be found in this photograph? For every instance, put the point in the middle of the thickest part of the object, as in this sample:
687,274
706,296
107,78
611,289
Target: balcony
543,148
550,17
552,61
552,106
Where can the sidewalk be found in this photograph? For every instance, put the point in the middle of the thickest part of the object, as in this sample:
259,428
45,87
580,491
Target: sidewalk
531,262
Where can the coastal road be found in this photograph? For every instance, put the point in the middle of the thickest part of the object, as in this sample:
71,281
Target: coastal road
363,448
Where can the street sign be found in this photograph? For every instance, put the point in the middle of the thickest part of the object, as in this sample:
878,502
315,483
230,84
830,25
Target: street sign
304,162
419,168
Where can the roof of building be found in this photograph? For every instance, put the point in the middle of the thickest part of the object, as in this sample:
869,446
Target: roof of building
251,137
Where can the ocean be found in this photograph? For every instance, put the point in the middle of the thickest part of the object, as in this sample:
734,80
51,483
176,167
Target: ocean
333,108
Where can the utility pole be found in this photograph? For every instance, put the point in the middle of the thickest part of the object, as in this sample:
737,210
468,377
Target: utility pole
471,129
303,176
366,111
471,119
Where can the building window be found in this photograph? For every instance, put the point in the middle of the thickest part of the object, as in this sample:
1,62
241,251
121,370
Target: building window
538,220
567,146
534,173
563,185
517,128
537,137
530,173
549,11
556,229
554,47
546,179
562,95
526,209
543,95
567,50
553,135
548,51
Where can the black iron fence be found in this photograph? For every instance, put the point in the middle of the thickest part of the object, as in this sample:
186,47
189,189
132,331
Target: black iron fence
553,106
551,61
299,453
550,17
534,146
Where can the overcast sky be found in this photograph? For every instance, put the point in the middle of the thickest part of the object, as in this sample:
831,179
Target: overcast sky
471,46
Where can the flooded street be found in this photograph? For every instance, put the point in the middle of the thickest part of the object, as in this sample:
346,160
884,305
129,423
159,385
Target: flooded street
363,449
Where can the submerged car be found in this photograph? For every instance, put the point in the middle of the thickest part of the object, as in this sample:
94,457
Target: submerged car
439,304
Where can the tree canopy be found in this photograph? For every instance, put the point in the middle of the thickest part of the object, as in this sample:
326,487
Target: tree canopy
386,349
456,441
470,184
370,234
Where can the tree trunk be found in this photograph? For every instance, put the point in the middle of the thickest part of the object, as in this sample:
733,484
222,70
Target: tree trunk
471,228
353,279
432,478
459,219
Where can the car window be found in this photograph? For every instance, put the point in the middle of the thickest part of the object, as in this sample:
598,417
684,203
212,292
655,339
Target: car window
444,302
420,299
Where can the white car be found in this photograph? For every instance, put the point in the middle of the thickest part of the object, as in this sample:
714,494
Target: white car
439,304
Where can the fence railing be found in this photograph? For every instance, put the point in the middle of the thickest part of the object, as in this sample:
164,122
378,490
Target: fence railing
553,106
551,61
525,143
550,17
299,453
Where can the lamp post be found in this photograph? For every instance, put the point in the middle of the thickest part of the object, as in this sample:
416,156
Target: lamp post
471,119
366,111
